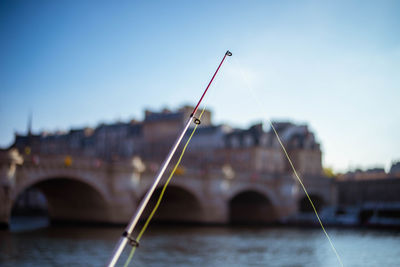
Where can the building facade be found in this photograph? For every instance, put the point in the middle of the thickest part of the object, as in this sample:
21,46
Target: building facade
252,149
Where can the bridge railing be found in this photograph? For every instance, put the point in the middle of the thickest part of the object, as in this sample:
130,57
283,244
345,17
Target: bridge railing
126,165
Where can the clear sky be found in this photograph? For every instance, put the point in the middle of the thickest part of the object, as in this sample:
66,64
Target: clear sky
334,65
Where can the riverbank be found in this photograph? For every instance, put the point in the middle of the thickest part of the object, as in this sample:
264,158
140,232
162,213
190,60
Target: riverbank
308,221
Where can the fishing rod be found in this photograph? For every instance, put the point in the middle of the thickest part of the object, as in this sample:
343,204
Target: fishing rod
127,234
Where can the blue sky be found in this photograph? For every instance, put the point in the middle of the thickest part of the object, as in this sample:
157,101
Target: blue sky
332,64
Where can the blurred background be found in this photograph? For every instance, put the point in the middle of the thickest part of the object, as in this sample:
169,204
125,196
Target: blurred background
93,94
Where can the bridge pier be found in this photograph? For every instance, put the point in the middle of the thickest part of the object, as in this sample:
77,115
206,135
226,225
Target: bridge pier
5,206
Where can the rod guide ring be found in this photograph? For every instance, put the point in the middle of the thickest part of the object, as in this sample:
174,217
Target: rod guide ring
133,242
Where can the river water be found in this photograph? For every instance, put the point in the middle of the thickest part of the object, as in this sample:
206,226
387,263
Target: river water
30,242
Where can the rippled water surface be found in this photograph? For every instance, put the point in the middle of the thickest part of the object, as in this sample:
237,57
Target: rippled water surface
25,245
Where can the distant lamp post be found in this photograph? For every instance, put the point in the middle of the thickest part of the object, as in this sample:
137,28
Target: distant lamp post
180,171
138,164
68,161
229,174
138,168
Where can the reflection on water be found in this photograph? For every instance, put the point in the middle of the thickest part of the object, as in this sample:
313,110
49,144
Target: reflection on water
197,246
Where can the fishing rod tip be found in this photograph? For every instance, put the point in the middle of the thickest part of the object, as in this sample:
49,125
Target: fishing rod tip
228,53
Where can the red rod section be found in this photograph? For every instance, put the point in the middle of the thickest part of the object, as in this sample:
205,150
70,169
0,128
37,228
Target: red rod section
205,91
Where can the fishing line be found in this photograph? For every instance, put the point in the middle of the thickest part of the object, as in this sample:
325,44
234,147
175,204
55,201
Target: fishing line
290,162
162,193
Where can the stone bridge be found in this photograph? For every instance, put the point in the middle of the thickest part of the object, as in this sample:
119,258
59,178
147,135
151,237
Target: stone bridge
82,189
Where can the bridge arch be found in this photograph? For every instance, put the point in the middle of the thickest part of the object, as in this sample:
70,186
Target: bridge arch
304,204
69,199
179,204
251,206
